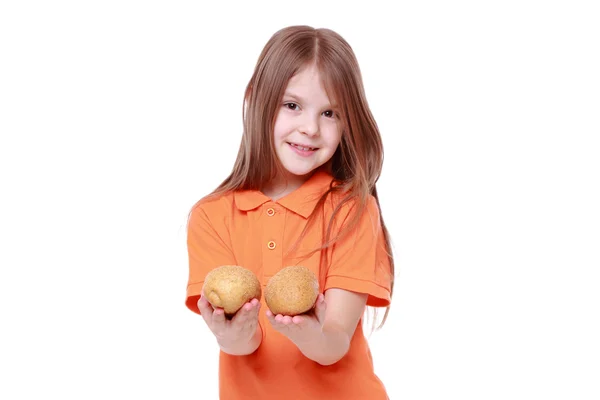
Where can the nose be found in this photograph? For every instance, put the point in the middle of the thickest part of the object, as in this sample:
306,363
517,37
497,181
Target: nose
310,126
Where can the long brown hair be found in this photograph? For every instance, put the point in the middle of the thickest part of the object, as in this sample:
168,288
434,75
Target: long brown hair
356,164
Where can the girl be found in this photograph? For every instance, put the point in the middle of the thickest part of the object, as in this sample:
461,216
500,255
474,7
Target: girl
302,192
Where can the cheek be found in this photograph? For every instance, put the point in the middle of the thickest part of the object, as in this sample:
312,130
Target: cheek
334,138
282,127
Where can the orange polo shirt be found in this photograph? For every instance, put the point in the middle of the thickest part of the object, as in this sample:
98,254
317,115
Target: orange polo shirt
247,228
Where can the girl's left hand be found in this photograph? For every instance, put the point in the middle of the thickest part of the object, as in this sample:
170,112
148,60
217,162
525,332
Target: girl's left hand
301,328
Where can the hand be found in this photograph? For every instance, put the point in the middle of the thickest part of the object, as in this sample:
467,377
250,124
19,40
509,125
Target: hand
301,328
235,336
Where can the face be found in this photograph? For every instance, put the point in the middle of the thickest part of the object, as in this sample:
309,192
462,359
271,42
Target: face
308,127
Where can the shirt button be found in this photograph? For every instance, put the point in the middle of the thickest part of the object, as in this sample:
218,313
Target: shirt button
270,212
271,245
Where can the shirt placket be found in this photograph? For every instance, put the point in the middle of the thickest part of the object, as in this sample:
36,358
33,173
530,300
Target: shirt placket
273,216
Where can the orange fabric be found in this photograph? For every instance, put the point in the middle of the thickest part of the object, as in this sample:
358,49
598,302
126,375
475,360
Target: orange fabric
247,228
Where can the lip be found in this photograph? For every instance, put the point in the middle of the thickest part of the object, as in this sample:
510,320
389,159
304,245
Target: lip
302,153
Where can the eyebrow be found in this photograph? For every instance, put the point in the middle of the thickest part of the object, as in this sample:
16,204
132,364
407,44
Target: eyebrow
290,94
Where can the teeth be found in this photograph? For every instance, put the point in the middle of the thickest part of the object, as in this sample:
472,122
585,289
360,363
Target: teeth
302,148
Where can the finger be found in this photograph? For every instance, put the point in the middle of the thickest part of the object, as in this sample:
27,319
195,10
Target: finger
251,306
256,306
320,308
205,309
241,316
278,326
287,320
277,322
218,318
248,313
270,316
298,319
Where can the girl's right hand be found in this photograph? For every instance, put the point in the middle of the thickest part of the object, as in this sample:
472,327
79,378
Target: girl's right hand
239,336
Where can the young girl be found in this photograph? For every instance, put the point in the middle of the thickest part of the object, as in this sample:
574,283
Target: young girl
302,192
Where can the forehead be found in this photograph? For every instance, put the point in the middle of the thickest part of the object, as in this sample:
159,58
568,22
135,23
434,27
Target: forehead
307,85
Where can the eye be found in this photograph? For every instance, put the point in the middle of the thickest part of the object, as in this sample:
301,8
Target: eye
331,115
287,105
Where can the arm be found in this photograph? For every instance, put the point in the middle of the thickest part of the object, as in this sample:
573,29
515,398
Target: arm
325,336
208,248
360,273
343,311
243,348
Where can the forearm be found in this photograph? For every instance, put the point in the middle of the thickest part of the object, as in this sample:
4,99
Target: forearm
242,348
327,348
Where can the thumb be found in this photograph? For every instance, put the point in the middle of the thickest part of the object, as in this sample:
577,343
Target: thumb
320,308
205,309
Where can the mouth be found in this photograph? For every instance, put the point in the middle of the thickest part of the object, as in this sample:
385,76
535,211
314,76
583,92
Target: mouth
302,147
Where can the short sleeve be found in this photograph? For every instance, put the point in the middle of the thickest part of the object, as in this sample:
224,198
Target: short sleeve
359,260
208,248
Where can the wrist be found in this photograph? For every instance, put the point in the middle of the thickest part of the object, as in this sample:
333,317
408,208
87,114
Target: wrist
325,348
242,347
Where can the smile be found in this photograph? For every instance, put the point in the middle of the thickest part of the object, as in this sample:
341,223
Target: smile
303,148
303,151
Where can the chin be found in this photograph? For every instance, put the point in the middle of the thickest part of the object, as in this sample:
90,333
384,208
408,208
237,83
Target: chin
299,171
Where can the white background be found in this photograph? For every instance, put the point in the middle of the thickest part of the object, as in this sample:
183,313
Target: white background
116,116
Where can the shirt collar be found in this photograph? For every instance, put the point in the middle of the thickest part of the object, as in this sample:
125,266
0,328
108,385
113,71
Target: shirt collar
302,201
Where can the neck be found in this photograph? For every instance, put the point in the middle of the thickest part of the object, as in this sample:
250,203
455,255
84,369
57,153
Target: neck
281,186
